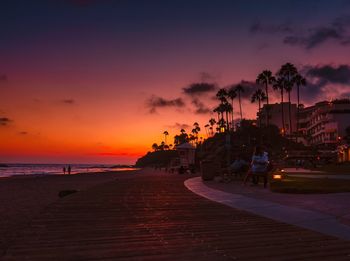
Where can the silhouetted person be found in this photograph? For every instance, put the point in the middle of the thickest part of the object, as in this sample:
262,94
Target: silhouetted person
64,170
69,169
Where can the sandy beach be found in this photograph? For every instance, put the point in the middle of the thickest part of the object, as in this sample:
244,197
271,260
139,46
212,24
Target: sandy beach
24,197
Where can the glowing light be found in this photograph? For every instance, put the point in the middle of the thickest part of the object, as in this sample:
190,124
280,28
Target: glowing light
277,176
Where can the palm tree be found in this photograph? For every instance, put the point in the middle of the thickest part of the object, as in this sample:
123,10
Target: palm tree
288,71
258,96
166,133
266,78
299,81
239,89
206,126
221,95
232,94
212,123
279,85
228,110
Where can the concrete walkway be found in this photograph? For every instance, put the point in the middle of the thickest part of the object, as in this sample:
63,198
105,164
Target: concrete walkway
316,221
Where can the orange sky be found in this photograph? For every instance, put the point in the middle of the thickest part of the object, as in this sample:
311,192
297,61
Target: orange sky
75,79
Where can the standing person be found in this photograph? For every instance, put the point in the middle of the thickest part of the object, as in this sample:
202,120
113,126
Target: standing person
69,169
259,163
64,170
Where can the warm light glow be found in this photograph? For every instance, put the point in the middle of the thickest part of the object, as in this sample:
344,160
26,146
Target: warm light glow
277,176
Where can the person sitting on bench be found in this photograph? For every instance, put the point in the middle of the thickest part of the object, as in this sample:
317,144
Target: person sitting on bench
259,165
238,166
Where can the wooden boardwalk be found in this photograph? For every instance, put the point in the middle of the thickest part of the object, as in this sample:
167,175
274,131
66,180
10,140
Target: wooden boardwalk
157,218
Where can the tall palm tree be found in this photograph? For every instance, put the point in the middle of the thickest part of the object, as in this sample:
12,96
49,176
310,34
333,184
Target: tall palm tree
258,96
232,94
166,133
212,123
221,95
239,89
288,71
279,86
299,81
266,78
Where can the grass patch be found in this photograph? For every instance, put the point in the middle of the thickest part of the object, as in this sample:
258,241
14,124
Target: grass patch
297,185
340,168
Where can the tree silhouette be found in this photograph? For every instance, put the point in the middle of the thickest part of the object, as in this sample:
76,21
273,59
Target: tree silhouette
212,123
155,146
258,96
239,89
288,71
299,81
166,133
232,94
266,78
279,85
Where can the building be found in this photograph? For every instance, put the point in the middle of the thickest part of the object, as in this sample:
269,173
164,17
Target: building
325,122
322,124
275,116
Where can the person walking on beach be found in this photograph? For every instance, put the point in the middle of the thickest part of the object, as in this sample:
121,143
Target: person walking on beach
64,170
69,170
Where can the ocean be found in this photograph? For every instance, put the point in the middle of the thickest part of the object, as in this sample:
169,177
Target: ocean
54,169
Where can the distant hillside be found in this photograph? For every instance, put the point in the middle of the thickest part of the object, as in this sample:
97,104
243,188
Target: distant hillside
157,158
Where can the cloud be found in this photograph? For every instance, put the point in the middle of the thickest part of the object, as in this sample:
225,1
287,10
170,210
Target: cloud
315,37
324,81
309,38
23,133
199,88
178,126
68,101
330,74
5,121
200,107
156,102
248,86
258,27
81,3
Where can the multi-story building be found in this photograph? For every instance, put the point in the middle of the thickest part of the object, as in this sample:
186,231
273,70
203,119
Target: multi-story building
321,124
325,122
275,116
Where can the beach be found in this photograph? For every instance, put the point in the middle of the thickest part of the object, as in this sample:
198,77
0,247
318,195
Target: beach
146,215
24,197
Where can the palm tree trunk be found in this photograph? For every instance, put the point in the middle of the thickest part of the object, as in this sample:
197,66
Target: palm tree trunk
227,121
240,104
259,113
232,124
283,127
297,115
290,115
267,102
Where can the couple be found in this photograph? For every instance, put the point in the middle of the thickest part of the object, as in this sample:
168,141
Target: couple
260,165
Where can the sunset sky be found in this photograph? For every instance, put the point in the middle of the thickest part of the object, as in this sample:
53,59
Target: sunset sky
99,81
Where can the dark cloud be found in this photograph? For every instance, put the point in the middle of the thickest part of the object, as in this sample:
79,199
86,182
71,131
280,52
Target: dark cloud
200,107
23,133
178,126
330,74
3,78
316,37
81,3
309,38
320,79
199,88
258,27
248,86
68,101
155,102
5,121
